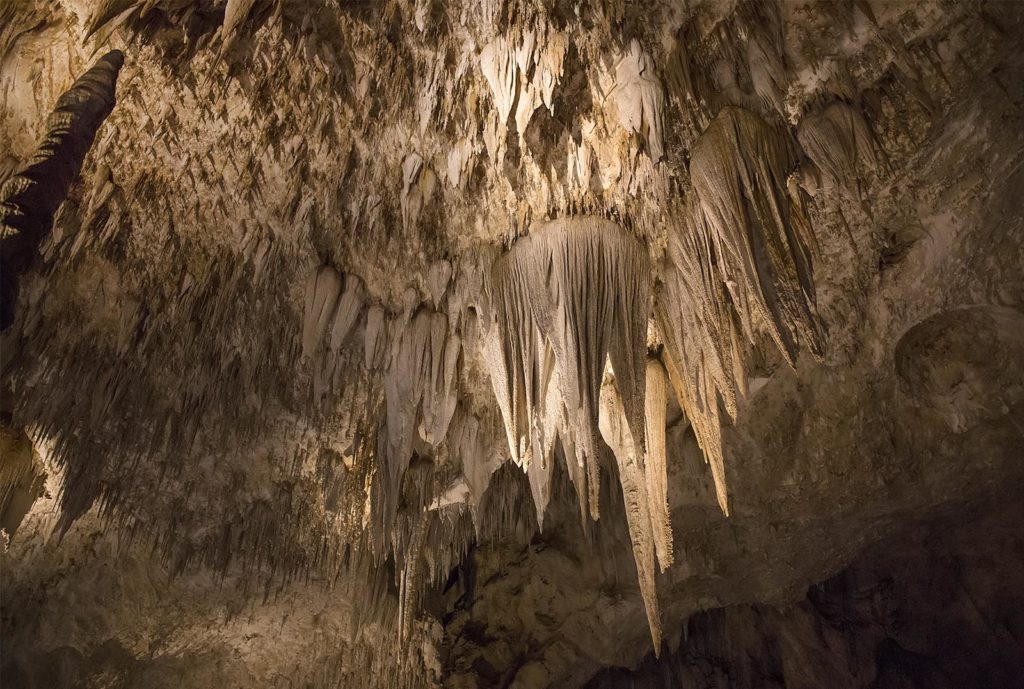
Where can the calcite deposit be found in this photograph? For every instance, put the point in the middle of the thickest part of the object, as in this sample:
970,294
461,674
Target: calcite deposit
512,343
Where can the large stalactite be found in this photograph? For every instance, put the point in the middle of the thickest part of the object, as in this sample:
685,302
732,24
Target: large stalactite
29,199
568,300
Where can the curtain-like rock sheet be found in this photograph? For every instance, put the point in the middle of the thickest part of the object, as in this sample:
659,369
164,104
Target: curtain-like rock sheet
578,287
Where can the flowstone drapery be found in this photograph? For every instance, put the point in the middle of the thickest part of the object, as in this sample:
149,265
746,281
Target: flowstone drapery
570,302
568,299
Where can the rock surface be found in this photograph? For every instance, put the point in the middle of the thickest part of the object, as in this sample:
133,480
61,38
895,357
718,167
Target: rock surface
359,315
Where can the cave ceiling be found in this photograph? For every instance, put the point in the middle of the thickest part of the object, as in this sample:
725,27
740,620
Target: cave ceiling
482,343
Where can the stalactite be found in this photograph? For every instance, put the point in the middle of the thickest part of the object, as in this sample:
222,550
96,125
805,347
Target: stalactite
698,330
440,396
347,312
460,161
29,199
466,447
412,578
322,292
553,424
438,277
235,13
739,263
375,346
616,432
579,287
655,467
523,74
498,64
640,98
404,383
418,185
739,169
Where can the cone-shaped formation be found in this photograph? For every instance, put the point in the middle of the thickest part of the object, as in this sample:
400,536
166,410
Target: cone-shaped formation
566,299
615,431
655,467
739,264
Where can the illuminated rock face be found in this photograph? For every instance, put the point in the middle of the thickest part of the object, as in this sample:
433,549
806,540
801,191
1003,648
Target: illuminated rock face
428,343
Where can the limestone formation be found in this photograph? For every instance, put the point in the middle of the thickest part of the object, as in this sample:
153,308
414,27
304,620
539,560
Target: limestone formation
566,300
511,343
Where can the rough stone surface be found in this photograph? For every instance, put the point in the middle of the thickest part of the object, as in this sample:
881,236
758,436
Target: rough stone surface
309,384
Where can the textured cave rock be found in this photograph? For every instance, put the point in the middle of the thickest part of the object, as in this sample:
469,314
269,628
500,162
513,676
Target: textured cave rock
932,607
512,343
29,199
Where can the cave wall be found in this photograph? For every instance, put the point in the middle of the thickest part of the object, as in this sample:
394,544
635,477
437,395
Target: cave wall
937,605
251,356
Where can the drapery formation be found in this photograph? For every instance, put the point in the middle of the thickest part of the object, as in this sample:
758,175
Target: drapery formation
571,304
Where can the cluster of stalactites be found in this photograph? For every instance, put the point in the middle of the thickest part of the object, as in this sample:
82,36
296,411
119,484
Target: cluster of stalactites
566,299
412,360
567,354
522,74
417,354
738,265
